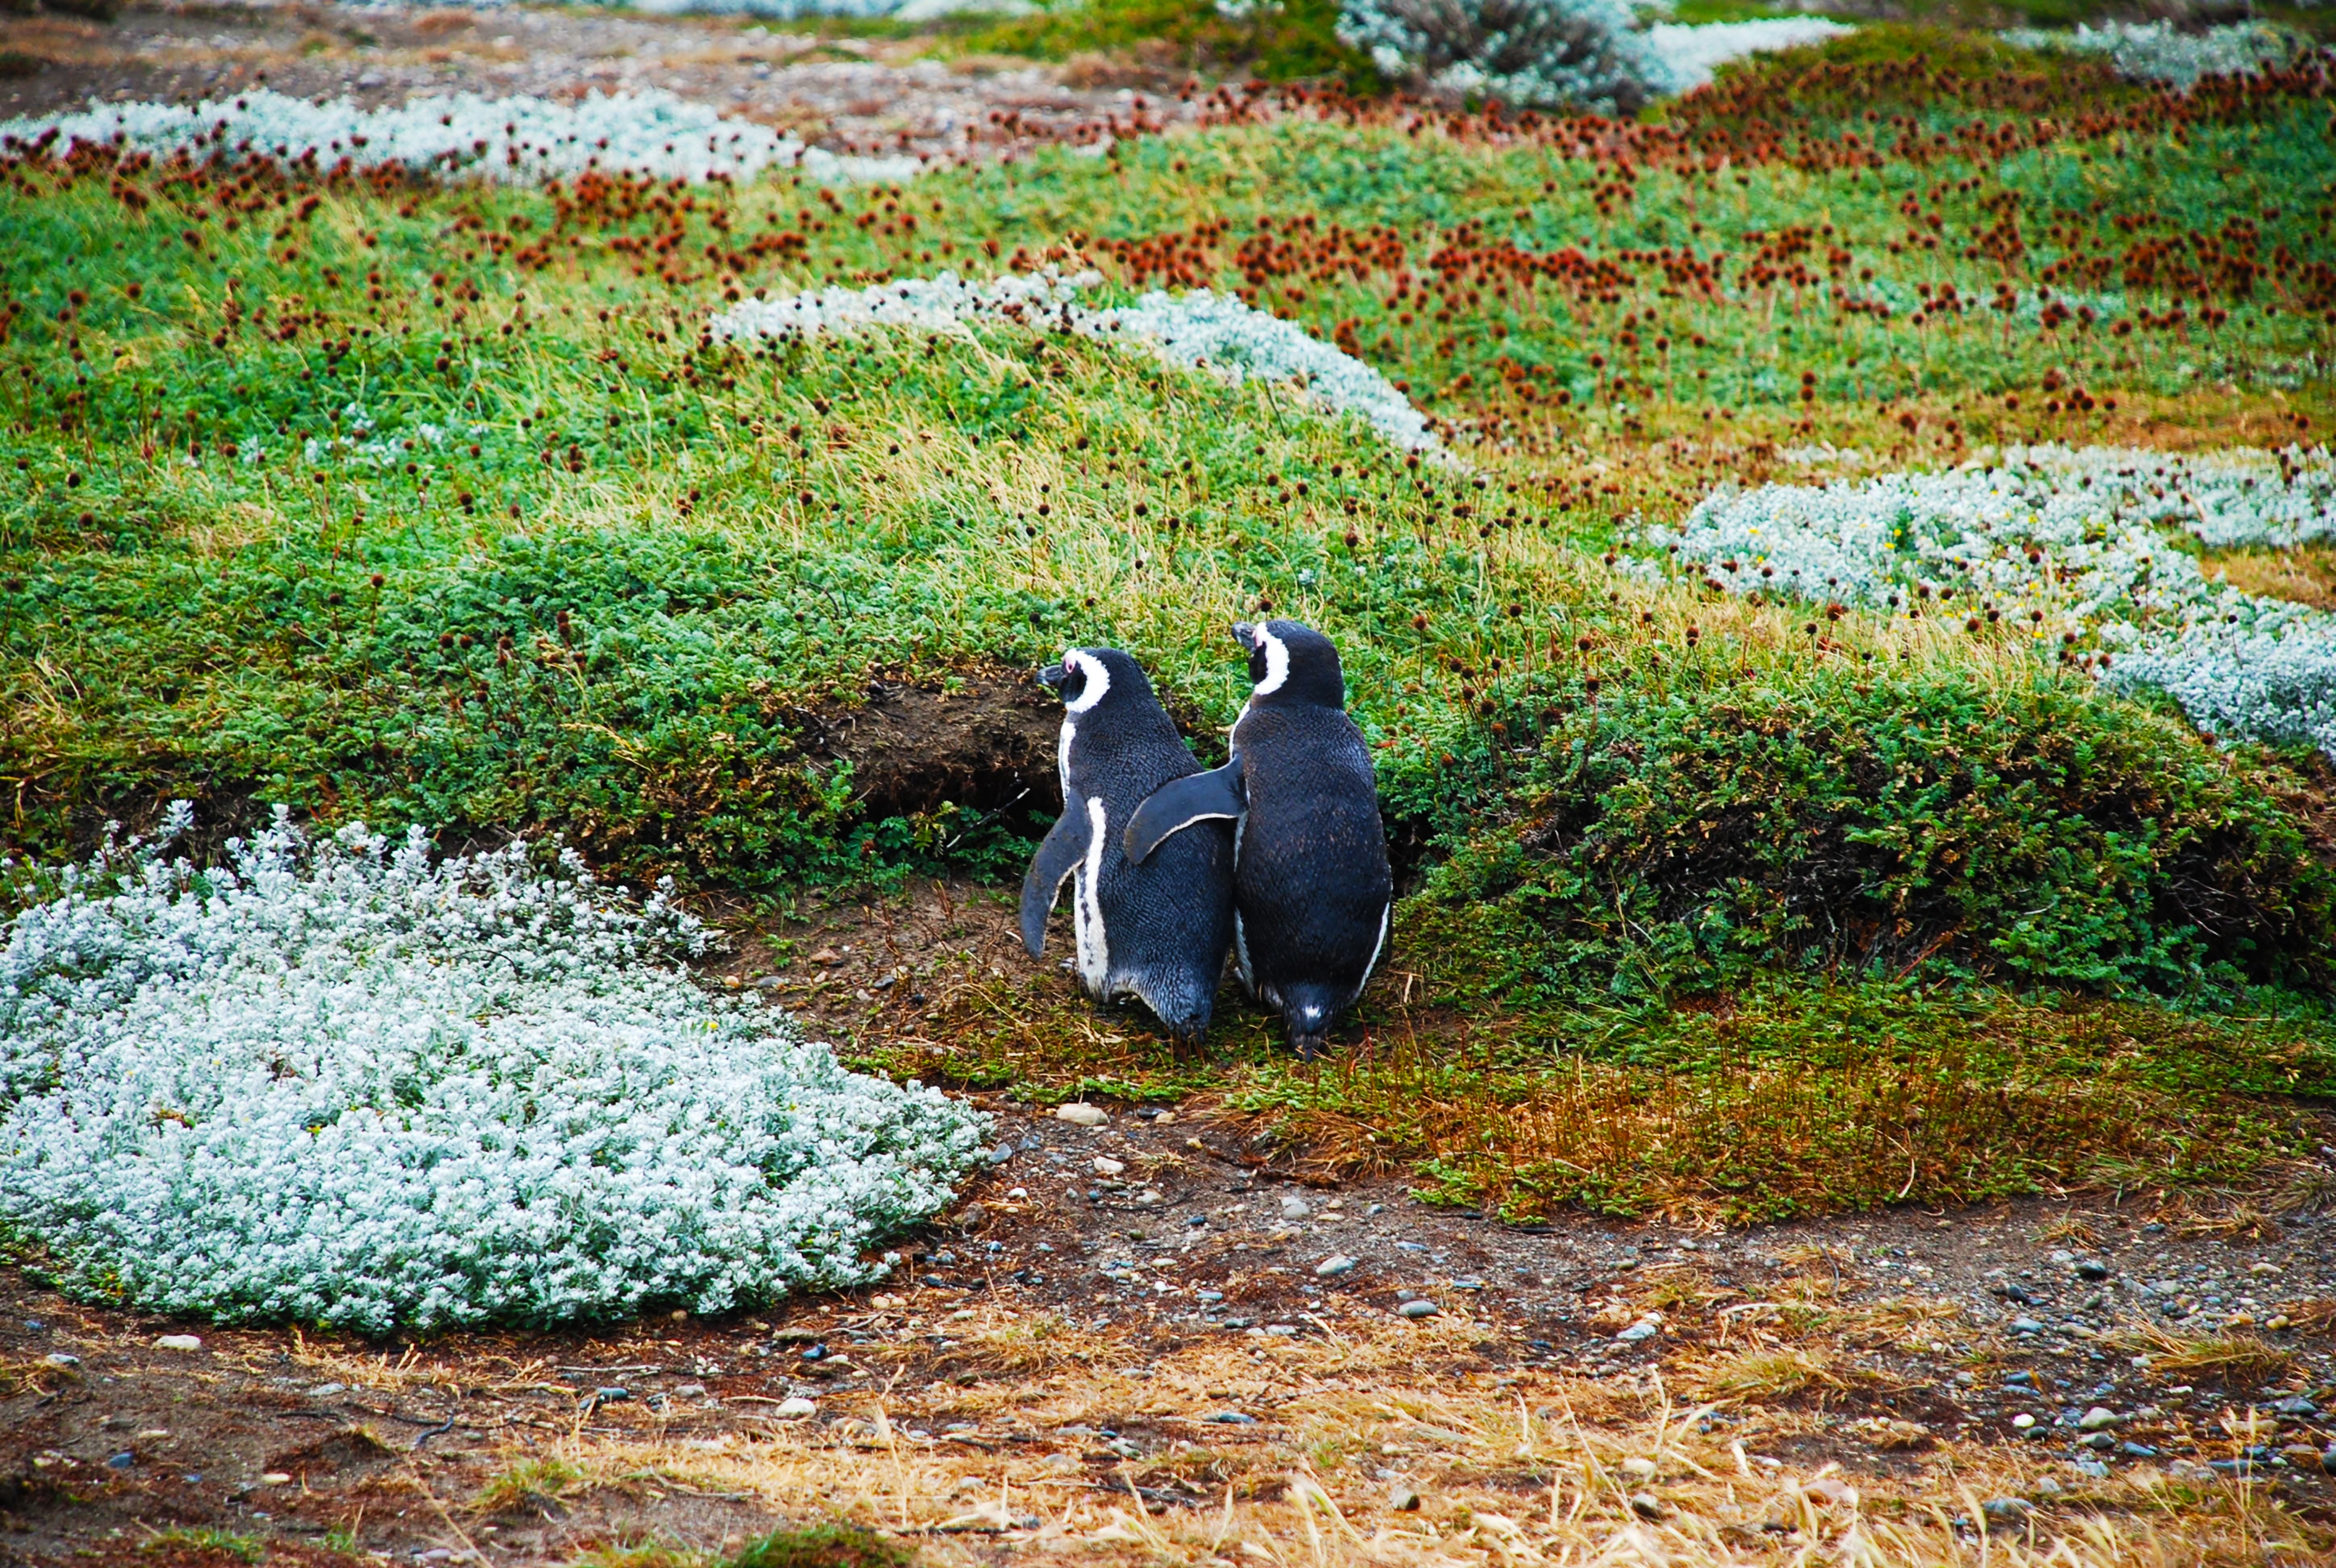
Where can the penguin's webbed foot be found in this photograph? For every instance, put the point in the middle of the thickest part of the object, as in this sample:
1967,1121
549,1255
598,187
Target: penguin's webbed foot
1307,1046
1188,1044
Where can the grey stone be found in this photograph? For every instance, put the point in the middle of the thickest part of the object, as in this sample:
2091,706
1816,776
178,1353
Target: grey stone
2100,1418
1337,1264
1403,1500
1417,1308
1647,1505
2007,1510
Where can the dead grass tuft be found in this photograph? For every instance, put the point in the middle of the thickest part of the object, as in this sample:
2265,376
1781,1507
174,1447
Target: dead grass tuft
2308,1190
2234,1356
2069,1230
2316,1316
1752,1377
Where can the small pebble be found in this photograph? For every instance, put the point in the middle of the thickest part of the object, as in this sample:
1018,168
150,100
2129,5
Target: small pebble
178,1342
1080,1113
2009,1510
1294,1207
1647,1505
1417,1308
1403,1500
1104,1165
798,1405
1337,1264
276,1478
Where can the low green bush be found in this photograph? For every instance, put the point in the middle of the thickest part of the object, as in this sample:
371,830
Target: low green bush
1676,836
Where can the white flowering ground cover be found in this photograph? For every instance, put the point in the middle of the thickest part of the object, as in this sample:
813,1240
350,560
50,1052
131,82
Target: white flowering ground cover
2076,545
519,139
2156,52
1694,52
334,1082
1195,329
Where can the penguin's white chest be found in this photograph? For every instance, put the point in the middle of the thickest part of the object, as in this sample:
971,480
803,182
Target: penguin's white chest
1086,905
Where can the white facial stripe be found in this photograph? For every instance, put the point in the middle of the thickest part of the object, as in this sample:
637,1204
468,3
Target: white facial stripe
1277,664
1098,681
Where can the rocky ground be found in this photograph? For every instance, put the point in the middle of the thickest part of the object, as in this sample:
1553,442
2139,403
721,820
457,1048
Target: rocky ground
843,93
1134,1299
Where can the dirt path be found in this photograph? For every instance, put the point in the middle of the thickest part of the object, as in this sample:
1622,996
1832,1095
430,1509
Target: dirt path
845,95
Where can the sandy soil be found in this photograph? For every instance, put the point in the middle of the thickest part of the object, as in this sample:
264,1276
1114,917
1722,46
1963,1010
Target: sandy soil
845,95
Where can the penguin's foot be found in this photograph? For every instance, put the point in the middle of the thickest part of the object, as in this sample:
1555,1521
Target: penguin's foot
1307,1046
1188,1047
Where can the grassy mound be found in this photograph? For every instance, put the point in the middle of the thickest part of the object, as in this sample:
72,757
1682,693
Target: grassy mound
1673,837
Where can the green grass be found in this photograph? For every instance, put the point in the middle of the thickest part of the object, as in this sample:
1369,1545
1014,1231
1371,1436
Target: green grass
1292,40
824,1546
630,569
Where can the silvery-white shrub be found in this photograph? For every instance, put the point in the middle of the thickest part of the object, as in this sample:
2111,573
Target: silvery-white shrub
2156,52
2066,543
1529,53
522,140
1195,330
336,1081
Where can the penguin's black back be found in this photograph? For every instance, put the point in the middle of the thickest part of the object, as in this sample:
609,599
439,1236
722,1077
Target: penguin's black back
1168,922
1312,877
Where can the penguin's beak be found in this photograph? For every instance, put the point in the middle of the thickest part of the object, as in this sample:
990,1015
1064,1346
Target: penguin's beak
1246,635
1053,674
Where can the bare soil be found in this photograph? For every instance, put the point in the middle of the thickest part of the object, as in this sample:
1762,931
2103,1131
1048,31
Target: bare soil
1169,1246
849,96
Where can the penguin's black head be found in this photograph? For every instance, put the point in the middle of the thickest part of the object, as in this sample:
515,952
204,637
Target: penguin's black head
1289,661
1090,676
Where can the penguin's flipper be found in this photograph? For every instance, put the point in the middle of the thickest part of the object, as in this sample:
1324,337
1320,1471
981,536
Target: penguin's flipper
1059,854
1173,807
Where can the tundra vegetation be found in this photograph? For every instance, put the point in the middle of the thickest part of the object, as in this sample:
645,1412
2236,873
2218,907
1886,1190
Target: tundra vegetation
449,489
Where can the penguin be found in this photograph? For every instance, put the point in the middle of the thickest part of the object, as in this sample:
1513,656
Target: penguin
1312,891
1159,931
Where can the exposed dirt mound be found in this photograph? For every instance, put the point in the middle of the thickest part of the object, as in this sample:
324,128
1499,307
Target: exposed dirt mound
988,744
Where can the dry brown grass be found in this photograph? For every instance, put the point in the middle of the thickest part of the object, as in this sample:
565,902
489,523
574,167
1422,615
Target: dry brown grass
20,1375
408,1369
2237,1356
2315,1316
2304,575
2069,1230
1754,1375
1532,1468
